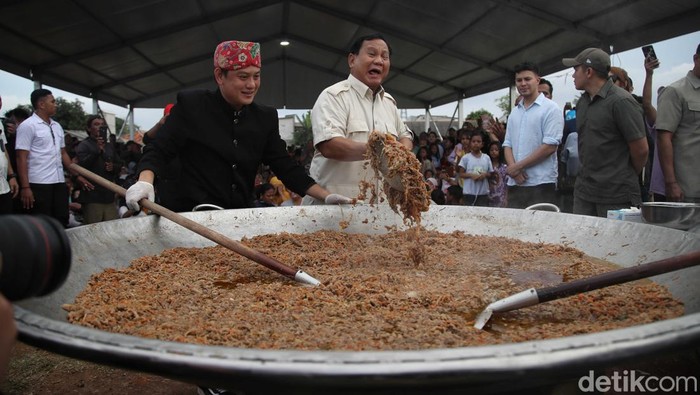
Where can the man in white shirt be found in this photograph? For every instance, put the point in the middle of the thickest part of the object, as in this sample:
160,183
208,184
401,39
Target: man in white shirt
346,113
41,157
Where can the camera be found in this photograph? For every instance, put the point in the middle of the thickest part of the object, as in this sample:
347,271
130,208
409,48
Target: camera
35,256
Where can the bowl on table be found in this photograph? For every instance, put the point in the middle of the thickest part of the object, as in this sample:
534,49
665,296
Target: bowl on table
676,215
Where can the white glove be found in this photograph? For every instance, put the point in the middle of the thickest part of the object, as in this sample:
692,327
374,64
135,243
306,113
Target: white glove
334,198
138,191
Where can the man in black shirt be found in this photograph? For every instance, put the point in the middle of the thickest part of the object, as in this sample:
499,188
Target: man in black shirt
97,155
221,138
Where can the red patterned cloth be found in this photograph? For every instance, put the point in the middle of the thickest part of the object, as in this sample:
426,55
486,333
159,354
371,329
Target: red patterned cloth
236,55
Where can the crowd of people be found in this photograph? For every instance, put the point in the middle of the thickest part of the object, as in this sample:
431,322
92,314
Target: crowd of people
613,150
631,151
37,159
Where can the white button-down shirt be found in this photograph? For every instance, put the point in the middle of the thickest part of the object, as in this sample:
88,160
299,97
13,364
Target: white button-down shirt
351,110
44,142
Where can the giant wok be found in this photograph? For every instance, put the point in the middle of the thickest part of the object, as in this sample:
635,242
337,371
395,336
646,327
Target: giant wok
41,321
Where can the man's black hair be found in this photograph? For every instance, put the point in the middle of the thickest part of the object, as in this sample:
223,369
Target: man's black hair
526,66
455,191
90,119
355,47
545,81
18,113
37,95
262,188
438,197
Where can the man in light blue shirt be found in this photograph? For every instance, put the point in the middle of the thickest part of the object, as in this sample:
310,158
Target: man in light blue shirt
533,134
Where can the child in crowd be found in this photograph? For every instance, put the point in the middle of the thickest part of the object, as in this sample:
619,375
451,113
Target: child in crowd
424,159
475,168
444,180
449,147
265,194
460,150
281,192
497,182
435,155
453,196
437,197
422,142
431,184
463,147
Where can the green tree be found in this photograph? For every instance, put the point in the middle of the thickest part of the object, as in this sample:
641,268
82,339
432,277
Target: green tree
503,103
118,123
304,133
70,115
476,115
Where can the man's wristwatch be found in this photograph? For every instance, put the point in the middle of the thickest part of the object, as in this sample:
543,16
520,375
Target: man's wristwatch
11,176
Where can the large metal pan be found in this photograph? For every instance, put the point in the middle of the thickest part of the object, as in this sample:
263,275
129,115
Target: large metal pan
42,322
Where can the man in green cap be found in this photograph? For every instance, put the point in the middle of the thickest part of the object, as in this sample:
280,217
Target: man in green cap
612,138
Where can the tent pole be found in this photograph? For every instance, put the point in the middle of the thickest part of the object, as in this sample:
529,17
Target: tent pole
460,112
130,119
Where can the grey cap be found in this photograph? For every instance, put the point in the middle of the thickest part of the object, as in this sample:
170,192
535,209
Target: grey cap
592,57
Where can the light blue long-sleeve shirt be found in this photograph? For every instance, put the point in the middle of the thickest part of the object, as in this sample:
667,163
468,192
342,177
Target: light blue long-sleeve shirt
529,128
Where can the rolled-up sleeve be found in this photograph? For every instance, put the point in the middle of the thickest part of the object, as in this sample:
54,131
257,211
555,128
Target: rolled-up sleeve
670,110
506,140
328,117
553,126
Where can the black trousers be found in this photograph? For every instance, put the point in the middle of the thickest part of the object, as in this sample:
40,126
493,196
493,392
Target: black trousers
476,200
6,203
522,197
51,200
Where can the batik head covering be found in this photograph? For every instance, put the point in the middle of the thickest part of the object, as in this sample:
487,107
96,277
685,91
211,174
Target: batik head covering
236,55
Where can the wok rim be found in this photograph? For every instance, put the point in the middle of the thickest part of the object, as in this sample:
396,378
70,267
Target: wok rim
105,347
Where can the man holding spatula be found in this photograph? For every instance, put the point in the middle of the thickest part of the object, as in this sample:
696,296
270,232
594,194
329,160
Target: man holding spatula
347,112
221,138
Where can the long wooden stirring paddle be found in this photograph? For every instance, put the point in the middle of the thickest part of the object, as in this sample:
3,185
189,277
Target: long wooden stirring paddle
233,245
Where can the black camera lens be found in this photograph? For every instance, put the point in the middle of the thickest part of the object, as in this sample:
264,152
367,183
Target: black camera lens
35,256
